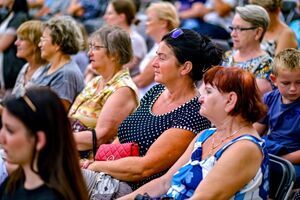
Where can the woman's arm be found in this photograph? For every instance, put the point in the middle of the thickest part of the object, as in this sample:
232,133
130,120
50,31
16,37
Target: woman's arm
261,129
160,186
116,108
162,154
234,169
293,157
287,39
222,8
264,85
6,40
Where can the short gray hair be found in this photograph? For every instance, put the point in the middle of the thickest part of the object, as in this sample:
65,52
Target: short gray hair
117,41
256,15
66,33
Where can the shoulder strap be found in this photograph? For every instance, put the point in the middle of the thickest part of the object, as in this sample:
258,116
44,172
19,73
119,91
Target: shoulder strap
249,137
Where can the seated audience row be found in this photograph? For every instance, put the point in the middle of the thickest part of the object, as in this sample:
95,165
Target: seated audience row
169,110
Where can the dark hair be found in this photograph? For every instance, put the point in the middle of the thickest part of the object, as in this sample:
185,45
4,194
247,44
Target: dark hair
40,109
126,7
196,48
234,79
20,6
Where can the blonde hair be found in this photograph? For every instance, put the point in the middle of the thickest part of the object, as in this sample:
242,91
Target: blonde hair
31,31
287,59
165,11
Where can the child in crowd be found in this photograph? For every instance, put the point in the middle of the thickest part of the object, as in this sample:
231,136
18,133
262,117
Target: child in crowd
283,117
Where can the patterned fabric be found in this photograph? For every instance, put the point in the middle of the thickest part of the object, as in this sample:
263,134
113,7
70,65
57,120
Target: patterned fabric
259,66
144,127
20,82
102,186
186,180
88,104
269,46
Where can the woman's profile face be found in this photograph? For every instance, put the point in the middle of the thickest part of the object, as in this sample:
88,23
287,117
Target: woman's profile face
98,55
47,48
212,102
111,17
153,23
15,140
165,64
25,49
243,33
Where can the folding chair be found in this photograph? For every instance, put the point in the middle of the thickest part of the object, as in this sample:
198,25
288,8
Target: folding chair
282,178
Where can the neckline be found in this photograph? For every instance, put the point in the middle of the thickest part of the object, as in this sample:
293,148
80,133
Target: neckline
172,111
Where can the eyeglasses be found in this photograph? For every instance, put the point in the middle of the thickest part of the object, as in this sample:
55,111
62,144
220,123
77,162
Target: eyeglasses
239,29
43,39
176,33
93,47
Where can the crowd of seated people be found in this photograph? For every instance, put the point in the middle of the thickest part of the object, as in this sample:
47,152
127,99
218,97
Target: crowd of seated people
159,105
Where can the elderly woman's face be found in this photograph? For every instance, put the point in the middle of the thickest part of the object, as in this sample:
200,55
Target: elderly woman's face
98,55
212,102
48,50
243,33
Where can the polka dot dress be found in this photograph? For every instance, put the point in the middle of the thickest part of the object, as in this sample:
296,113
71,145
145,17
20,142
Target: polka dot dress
144,127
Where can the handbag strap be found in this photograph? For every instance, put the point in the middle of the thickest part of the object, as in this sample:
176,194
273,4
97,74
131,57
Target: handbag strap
94,140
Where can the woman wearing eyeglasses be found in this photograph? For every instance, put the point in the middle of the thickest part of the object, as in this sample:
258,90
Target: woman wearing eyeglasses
61,38
247,31
108,98
229,161
36,136
278,35
168,117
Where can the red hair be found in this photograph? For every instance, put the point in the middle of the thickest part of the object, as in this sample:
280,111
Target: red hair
234,79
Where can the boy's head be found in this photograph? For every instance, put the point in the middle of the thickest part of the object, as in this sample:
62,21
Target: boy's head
286,74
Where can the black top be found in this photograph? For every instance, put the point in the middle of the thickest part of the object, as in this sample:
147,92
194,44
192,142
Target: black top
42,192
144,127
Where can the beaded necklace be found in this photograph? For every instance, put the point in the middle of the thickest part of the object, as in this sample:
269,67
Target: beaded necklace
213,146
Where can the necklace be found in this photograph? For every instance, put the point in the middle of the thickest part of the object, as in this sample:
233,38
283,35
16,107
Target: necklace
214,146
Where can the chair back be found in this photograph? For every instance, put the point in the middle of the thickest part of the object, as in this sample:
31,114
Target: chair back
282,177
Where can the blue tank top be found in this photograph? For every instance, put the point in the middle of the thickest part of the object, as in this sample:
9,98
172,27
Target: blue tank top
186,180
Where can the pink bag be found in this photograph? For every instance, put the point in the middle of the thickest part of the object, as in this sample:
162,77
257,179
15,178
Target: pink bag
116,151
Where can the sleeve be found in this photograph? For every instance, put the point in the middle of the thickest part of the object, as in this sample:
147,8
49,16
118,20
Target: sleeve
3,171
266,100
190,119
67,85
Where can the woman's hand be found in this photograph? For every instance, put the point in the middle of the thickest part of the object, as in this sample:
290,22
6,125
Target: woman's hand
85,163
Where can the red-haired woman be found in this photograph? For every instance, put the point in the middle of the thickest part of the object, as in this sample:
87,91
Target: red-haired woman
208,168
